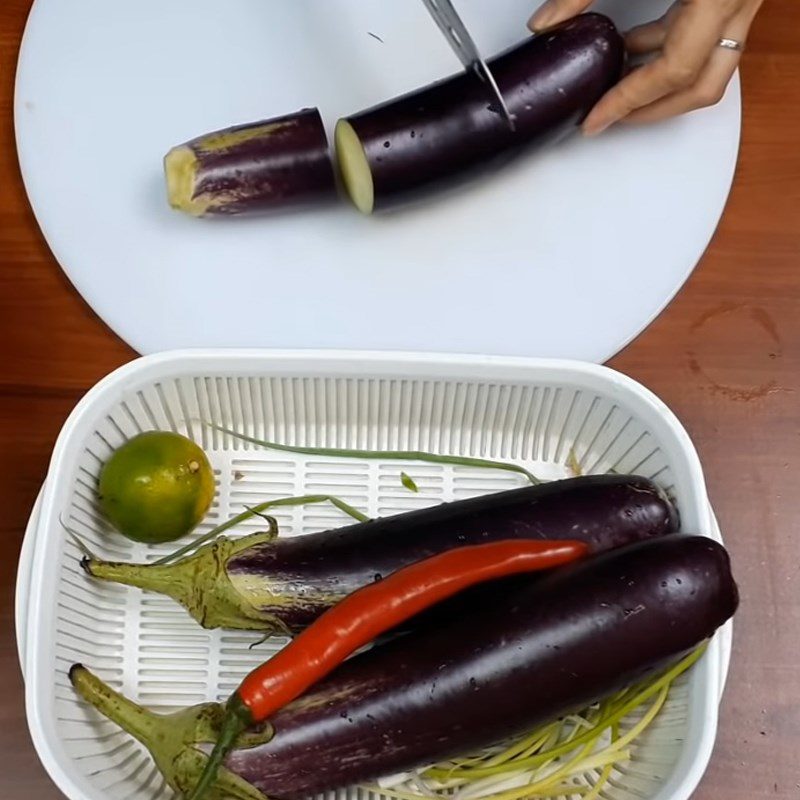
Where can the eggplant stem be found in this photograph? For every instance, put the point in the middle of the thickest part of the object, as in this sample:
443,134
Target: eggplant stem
200,583
256,510
132,718
173,739
388,455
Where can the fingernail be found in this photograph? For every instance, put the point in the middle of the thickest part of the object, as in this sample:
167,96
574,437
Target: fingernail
592,127
542,18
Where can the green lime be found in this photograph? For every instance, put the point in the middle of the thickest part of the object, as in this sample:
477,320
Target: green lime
156,487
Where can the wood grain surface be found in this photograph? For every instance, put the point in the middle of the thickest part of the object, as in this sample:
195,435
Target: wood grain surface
725,356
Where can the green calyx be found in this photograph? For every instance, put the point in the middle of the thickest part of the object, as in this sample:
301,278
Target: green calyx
174,740
200,583
237,719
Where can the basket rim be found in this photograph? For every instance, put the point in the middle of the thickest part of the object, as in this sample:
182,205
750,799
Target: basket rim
370,364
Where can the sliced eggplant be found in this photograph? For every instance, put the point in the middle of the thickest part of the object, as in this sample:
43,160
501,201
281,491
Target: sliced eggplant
252,168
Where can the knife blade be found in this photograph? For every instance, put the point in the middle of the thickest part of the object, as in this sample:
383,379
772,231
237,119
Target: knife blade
456,33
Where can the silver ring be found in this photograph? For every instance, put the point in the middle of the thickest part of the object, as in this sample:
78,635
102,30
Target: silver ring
731,44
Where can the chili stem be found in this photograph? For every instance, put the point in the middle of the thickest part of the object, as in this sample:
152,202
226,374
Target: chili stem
232,727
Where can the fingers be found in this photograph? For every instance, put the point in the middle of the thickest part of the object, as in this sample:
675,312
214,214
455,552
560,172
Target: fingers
555,11
708,90
691,36
646,38
641,87
710,86
651,36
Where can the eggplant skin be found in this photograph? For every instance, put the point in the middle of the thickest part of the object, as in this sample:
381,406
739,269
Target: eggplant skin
252,168
397,151
549,647
282,585
298,578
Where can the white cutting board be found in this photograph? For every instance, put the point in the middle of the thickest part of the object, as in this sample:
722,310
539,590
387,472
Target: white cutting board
569,254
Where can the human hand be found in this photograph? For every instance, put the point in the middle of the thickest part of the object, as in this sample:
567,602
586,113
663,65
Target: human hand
691,68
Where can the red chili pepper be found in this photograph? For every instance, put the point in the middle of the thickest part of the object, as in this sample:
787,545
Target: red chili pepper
361,617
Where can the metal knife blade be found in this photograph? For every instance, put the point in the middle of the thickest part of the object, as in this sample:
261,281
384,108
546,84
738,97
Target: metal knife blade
456,33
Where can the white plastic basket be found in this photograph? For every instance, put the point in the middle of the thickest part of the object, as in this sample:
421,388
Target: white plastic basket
532,412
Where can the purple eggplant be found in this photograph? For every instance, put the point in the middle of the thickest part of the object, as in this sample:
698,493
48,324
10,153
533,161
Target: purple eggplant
522,658
251,168
282,585
441,134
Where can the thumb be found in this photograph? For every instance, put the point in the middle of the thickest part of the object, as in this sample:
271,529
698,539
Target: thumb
555,11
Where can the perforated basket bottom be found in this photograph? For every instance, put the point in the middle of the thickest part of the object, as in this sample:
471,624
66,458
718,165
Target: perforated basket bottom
148,648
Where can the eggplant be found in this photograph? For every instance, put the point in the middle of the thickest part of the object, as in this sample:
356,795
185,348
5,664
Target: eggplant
441,134
252,168
547,648
282,585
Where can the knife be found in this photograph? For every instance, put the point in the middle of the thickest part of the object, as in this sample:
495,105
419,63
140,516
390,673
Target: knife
457,35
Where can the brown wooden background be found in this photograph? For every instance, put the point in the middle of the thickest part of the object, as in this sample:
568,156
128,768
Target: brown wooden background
725,356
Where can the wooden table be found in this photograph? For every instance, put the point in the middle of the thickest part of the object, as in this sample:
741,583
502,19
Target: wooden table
725,356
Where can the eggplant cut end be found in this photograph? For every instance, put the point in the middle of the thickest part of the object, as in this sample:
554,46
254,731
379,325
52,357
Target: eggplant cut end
180,170
354,167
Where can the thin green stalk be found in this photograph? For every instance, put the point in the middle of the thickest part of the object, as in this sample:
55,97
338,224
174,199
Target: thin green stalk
615,715
257,510
542,739
623,741
554,777
384,455
605,774
534,742
559,790
560,752
395,794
